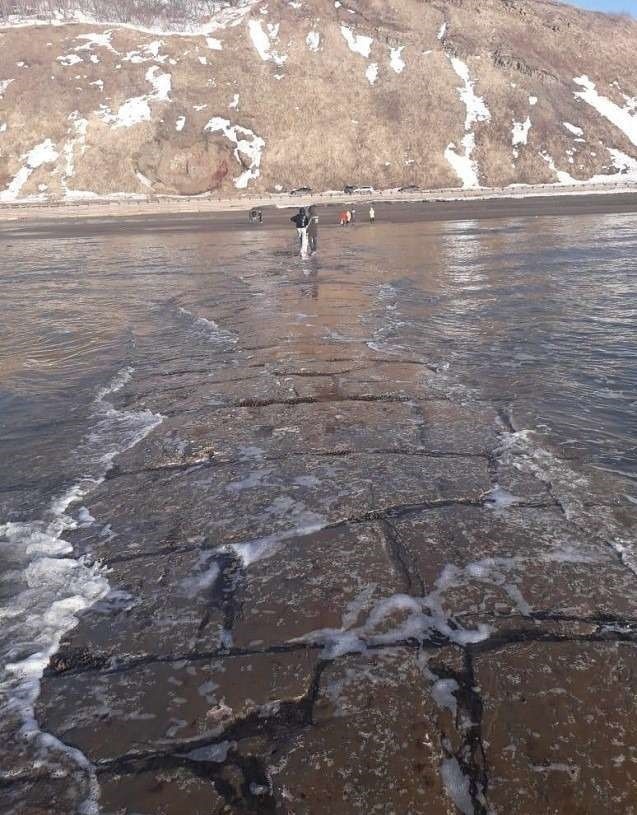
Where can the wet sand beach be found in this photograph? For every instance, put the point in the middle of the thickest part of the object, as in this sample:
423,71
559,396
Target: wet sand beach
134,217
352,534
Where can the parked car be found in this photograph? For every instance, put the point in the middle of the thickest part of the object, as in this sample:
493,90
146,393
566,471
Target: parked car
301,191
348,189
363,190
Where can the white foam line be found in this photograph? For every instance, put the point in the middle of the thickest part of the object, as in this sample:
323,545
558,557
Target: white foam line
212,329
522,452
261,548
457,785
58,588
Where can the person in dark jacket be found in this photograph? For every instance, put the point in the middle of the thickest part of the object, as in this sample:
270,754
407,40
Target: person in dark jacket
312,229
301,221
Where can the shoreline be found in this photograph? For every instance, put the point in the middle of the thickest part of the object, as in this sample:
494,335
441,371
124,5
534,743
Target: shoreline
520,197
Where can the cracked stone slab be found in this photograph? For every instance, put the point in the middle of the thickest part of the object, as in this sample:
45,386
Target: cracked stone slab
255,498
166,791
483,563
159,605
278,430
458,428
522,486
38,776
162,704
321,580
187,398
331,425
559,728
374,746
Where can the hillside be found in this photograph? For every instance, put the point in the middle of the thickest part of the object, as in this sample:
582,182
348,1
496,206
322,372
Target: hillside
268,96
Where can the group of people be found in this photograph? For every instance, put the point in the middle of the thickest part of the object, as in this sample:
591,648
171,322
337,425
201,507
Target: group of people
348,216
306,222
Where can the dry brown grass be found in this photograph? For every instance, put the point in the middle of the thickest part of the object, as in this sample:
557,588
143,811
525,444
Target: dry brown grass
324,125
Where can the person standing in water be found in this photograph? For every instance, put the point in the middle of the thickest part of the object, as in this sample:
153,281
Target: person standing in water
312,229
372,214
301,221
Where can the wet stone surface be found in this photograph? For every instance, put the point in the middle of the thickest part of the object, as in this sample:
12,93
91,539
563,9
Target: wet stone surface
165,707
339,580
587,760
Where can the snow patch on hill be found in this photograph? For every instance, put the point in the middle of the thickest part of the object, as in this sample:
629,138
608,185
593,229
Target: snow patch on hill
214,44
372,72
477,111
623,118
465,168
625,165
576,131
77,143
358,43
396,60
149,53
263,40
136,110
520,133
96,40
246,143
313,40
562,176
43,153
70,59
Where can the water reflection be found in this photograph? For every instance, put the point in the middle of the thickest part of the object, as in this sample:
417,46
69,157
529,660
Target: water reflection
539,313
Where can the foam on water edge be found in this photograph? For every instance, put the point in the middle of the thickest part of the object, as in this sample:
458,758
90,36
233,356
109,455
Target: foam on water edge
521,450
255,550
457,785
58,586
210,328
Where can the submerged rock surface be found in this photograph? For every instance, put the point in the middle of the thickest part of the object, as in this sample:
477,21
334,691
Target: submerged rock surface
339,580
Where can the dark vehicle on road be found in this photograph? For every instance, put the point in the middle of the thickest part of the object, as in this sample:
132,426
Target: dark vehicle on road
301,191
348,189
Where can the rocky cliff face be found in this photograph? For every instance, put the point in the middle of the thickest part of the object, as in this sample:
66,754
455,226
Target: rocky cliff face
271,95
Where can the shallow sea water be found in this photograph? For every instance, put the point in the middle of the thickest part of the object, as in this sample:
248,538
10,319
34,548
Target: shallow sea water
535,316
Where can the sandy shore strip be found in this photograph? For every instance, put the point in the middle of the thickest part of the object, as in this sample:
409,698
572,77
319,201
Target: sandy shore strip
595,198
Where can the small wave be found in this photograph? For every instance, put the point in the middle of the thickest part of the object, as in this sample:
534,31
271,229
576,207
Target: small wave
210,328
55,586
573,491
